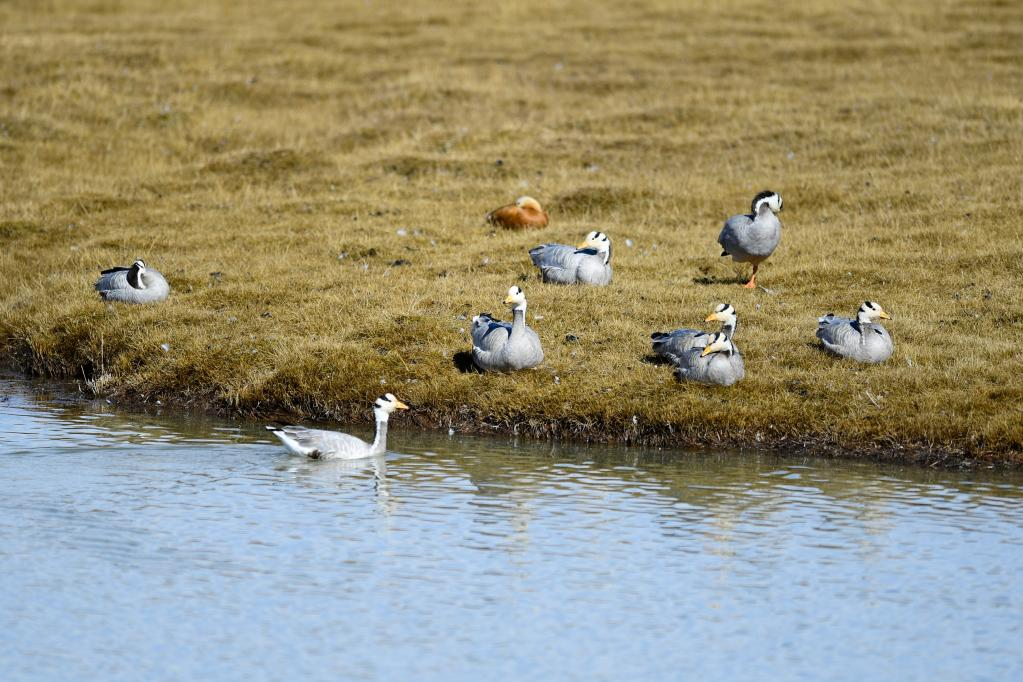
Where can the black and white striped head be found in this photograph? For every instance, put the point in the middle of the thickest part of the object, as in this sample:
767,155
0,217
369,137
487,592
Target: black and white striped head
385,405
515,298
135,272
719,343
723,312
599,242
772,200
871,311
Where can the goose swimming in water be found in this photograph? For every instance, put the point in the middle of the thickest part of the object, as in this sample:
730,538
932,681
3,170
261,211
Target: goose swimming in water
862,339
320,444
752,238
135,284
712,364
588,263
525,213
502,347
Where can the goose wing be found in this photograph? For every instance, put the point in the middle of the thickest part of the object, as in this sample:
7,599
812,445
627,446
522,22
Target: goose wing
559,263
522,352
488,333
319,443
115,278
733,233
672,345
716,368
840,335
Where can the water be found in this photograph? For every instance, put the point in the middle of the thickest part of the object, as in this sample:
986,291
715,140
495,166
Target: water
149,547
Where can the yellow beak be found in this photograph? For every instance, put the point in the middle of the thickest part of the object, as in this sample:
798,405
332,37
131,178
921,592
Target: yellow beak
707,350
400,405
508,300
583,245
711,317
884,316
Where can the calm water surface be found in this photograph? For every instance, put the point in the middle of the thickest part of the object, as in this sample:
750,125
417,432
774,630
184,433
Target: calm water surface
149,547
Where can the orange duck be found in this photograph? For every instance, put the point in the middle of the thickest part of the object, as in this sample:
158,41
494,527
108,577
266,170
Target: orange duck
526,213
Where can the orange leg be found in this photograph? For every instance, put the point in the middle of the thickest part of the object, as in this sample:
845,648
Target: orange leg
752,283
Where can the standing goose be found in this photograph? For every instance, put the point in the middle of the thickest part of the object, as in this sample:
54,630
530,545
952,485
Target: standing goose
320,444
136,284
588,263
525,213
674,344
712,364
862,339
752,238
500,347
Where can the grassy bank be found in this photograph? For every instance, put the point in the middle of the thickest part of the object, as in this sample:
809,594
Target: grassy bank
312,180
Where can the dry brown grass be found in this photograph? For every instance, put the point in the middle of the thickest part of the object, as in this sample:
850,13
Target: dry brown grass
261,142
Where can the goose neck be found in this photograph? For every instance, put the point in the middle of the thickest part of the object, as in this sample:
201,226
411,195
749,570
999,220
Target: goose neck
380,439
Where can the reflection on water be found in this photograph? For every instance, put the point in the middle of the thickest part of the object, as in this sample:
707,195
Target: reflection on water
152,547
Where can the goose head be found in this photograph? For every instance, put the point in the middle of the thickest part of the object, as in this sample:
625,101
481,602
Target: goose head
599,242
766,200
515,299
135,272
718,343
529,204
724,313
385,405
871,311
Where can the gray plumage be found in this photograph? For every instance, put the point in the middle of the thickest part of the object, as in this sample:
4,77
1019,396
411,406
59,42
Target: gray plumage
500,347
489,333
674,346
322,444
752,238
861,339
716,363
589,263
135,284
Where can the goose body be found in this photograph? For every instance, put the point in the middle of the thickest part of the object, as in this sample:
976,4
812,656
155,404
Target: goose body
135,284
715,363
861,339
674,346
502,347
322,444
752,238
526,213
588,263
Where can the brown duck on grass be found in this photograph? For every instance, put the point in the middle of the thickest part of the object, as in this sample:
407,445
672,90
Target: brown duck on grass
525,214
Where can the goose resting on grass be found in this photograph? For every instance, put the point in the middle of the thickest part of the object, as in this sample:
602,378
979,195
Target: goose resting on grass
135,284
752,238
502,347
588,263
320,444
861,339
525,213
672,345
712,364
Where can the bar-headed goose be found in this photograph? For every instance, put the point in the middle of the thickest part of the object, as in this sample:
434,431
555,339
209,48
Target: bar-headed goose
672,345
588,263
711,364
320,444
862,339
752,238
135,284
525,213
502,347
